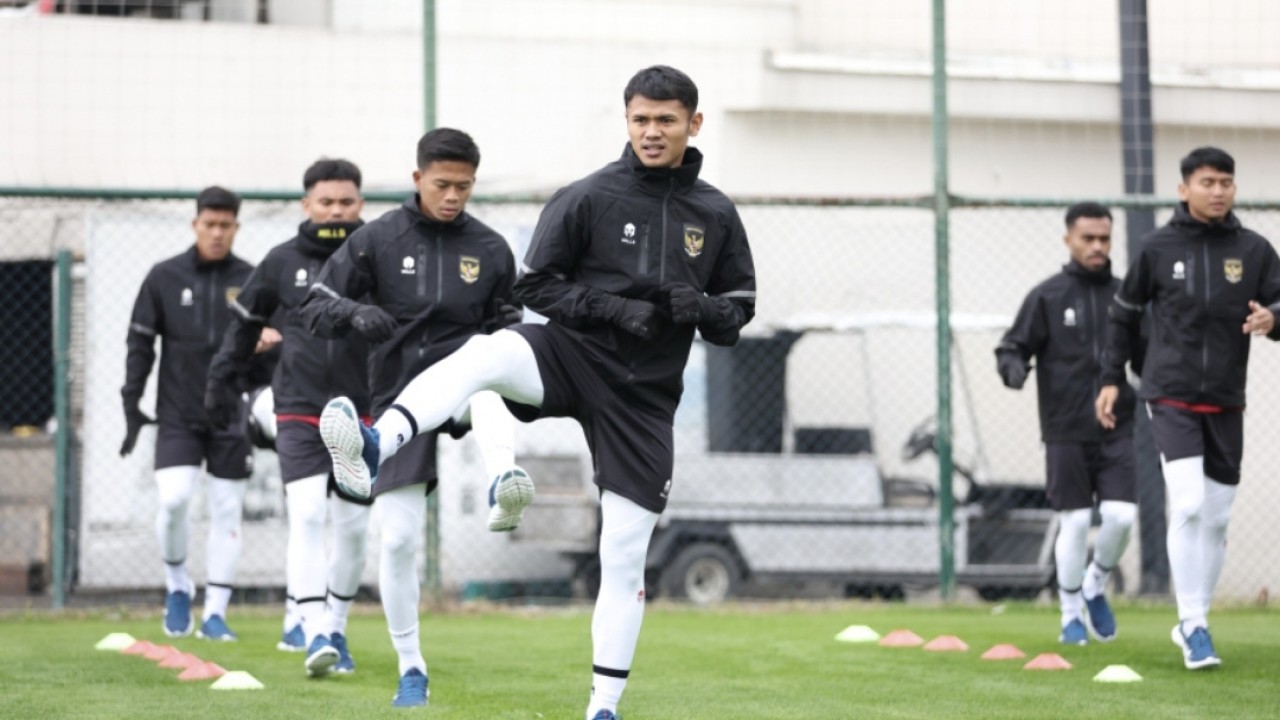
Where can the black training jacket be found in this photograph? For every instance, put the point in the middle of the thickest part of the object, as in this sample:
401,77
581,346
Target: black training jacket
184,302
443,283
1198,279
312,369
1062,324
630,231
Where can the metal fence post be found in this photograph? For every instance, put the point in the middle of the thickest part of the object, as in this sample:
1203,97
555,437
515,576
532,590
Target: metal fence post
62,411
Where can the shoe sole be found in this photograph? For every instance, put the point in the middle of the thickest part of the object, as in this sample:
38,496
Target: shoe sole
286,647
1209,662
184,633
340,431
321,661
512,495
222,638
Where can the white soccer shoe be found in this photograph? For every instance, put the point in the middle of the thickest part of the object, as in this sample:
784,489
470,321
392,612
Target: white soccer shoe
510,493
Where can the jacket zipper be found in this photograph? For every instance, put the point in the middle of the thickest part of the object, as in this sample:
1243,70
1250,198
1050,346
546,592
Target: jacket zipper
662,256
213,287
313,269
644,250
1093,335
1204,347
422,271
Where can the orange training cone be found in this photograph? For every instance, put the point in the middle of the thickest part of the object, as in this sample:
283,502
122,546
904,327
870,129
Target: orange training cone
142,647
946,643
901,638
202,671
1047,661
1003,652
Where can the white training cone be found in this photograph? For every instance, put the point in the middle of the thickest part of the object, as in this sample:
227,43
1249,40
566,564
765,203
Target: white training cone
115,642
1117,674
236,680
858,634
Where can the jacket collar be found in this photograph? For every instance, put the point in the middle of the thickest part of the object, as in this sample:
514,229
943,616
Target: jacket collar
1094,277
664,179
194,258
411,205
1182,218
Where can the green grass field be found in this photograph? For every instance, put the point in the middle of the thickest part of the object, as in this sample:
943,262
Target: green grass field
746,661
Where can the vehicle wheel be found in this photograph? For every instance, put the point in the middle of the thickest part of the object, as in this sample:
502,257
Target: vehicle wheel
704,573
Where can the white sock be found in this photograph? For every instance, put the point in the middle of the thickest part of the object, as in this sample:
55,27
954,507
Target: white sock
495,431
1113,538
222,554
1185,487
408,649
290,612
615,625
502,362
1070,551
350,536
305,564
1214,517
1072,604
400,515
173,528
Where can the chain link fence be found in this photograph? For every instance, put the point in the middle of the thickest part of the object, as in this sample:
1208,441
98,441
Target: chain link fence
804,455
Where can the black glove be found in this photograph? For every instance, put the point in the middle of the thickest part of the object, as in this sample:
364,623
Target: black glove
504,315
374,323
221,403
638,317
1012,369
134,419
689,306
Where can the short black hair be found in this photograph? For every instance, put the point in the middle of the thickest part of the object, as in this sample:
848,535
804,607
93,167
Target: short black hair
447,144
217,198
1207,156
326,169
1087,209
661,82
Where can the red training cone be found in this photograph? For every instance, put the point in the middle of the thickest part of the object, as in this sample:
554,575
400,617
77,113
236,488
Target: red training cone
180,660
161,652
202,671
142,647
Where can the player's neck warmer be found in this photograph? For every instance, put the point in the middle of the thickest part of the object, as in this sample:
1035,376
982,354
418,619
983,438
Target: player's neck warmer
324,238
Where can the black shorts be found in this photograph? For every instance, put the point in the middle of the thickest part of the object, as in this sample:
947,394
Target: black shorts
1076,473
303,454
1219,437
632,444
413,463
226,454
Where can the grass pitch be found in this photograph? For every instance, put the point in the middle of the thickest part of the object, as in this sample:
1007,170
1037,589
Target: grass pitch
745,661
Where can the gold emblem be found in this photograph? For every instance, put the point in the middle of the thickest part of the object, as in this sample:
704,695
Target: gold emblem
694,237
1233,269
232,294
468,268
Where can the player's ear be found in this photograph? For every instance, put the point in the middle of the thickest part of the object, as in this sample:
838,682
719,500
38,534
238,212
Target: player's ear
695,124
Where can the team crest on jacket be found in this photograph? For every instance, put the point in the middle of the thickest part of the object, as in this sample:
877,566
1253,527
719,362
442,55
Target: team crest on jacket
232,294
468,268
694,236
1233,269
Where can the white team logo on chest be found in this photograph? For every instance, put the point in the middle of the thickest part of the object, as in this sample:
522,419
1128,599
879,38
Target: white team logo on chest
187,297
629,234
300,278
1069,317
407,267
1179,271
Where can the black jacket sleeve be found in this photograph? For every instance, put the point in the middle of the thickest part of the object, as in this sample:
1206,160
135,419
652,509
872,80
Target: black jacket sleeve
495,318
1026,338
258,300
1125,313
146,322
348,273
546,286
732,287
1269,287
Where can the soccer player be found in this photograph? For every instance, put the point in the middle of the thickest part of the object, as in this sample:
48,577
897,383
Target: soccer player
1062,325
418,282
184,301
311,371
625,263
1211,285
